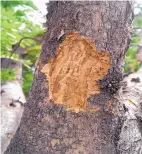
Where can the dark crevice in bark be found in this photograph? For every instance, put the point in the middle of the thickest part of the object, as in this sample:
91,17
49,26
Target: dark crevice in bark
117,134
139,119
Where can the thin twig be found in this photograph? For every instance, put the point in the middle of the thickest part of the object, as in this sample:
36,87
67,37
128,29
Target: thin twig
17,45
134,45
137,27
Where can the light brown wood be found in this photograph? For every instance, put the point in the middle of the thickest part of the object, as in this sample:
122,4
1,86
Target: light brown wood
74,72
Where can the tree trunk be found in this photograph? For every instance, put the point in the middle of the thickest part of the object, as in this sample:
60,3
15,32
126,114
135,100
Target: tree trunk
12,102
48,127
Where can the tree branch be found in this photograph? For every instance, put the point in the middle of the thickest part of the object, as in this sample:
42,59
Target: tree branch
17,45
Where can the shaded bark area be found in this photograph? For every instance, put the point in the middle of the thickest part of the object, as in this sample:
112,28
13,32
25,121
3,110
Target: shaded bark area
49,128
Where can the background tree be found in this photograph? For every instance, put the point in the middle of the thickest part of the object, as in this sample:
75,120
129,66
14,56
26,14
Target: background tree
48,127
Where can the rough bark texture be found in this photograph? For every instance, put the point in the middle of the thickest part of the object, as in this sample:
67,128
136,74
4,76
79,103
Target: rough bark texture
47,128
130,141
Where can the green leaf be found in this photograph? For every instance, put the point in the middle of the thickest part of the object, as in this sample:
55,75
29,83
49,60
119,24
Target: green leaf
28,78
7,74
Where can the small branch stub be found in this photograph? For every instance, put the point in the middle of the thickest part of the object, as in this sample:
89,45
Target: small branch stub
74,73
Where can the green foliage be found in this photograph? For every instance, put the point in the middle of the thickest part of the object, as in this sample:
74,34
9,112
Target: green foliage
27,80
33,54
7,74
131,64
15,25
138,21
11,4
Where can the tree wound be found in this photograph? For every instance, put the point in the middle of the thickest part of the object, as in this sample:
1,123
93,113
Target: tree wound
74,73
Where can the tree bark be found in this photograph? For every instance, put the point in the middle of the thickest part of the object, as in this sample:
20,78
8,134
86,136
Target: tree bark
47,127
12,102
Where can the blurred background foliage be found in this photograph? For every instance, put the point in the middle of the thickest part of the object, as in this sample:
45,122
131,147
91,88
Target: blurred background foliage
16,24
7,74
131,62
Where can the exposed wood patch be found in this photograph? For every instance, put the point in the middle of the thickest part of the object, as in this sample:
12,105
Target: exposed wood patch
74,72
